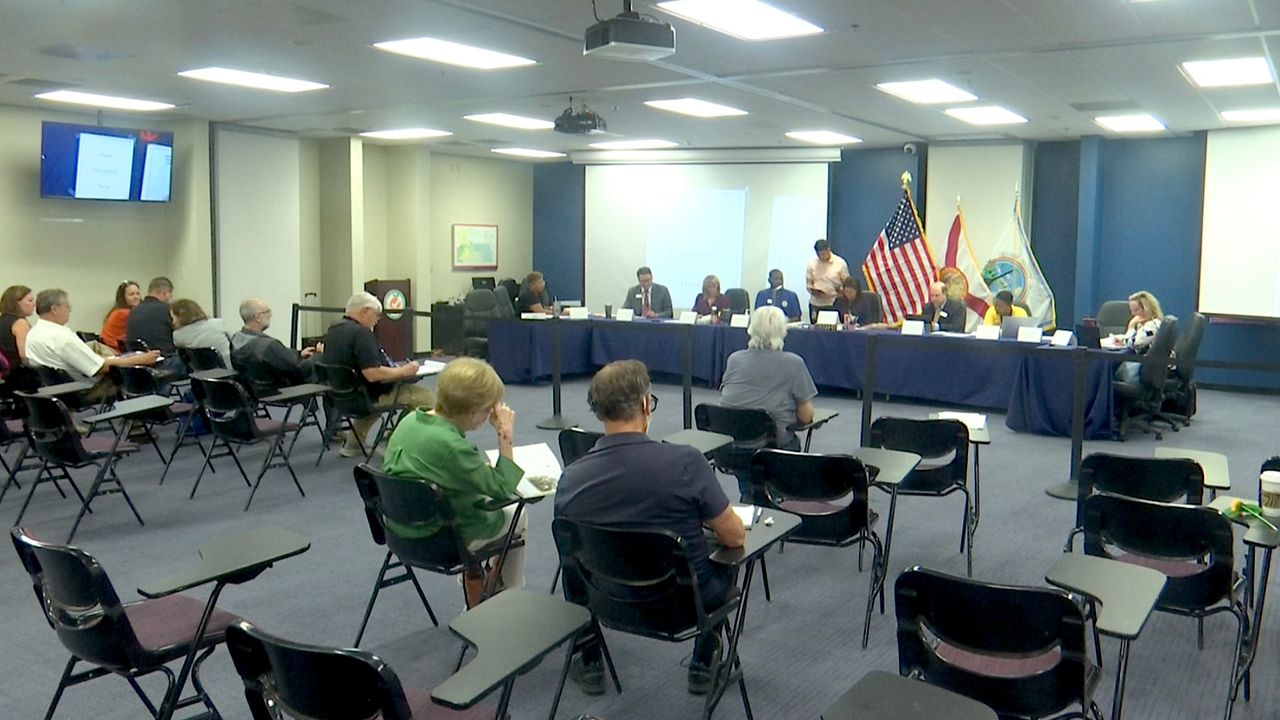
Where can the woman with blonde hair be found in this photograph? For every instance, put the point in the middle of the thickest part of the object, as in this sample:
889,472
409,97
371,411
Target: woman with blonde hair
431,445
711,301
1140,332
192,328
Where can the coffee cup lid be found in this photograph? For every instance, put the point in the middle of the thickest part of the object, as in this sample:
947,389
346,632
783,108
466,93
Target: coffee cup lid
1270,476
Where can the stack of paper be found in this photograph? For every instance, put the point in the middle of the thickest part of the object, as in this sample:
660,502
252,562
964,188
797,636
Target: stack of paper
430,367
540,465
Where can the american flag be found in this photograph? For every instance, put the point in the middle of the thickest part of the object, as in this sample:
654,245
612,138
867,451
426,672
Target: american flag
899,265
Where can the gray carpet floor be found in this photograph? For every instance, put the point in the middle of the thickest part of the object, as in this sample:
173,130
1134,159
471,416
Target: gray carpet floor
799,652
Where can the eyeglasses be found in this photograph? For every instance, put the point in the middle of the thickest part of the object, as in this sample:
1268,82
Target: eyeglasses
653,402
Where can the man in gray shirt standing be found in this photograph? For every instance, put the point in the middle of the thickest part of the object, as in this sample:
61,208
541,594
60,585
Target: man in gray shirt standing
764,376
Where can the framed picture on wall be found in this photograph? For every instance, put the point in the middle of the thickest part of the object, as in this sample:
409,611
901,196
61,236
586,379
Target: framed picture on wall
475,247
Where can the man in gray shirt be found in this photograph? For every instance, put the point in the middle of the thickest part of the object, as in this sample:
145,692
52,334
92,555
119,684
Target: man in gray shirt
764,376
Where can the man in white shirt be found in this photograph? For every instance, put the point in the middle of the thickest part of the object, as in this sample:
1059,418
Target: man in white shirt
54,345
823,278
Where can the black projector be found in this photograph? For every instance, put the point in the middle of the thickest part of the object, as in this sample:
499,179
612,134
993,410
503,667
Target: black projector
630,37
582,122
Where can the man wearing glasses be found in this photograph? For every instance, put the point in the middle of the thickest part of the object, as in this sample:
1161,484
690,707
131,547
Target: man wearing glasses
630,481
266,356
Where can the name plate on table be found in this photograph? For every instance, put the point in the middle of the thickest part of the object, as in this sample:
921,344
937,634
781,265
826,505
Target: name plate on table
1030,334
914,327
1062,338
828,317
577,313
625,314
740,320
688,317
534,316
988,332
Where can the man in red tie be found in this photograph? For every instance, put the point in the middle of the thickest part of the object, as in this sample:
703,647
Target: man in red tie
648,299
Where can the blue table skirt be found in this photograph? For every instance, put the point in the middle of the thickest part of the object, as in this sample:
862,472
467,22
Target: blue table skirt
521,351
660,346
1041,398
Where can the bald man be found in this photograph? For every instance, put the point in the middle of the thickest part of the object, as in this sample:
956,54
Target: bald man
942,312
266,357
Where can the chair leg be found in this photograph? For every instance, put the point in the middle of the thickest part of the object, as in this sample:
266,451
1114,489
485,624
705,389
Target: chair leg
262,472
373,597
608,658
555,580
183,423
137,689
201,694
34,484
111,471
421,595
62,685
564,674
764,577
1200,633
877,569
208,462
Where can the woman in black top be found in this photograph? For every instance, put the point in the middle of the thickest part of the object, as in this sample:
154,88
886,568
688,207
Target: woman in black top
16,304
856,308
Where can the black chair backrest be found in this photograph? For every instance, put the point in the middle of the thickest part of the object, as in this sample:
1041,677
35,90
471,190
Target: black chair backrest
416,504
1186,351
138,380
933,441
504,305
259,378
1113,316
478,307
52,375
1158,479
230,411
512,288
939,614
53,431
138,345
201,358
1197,541
314,682
752,429
347,392
801,477
739,300
79,602
637,581
1156,361
576,442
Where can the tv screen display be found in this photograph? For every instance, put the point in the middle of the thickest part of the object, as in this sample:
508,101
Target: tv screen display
89,162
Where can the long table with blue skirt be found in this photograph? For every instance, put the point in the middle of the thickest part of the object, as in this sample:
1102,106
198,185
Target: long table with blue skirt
1032,385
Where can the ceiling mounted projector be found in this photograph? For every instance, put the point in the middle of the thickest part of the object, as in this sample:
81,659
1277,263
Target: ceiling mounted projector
579,122
631,37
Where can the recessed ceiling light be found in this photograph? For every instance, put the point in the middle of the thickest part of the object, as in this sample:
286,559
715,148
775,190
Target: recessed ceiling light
1139,123
519,122
648,144
986,115
745,19
527,152
1229,73
695,107
823,137
259,81
926,92
405,134
104,101
1255,115
452,53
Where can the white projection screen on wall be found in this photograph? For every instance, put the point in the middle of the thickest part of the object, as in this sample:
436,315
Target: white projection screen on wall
689,221
1240,246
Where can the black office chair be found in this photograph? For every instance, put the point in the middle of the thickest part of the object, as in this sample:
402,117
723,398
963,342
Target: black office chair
1113,317
128,640
234,423
504,303
200,359
478,308
1019,650
138,381
752,429
417,506
349,399
47,376
513,290
739,300
1140,402
1166,480
829,493
1192,546
643,583
943,446
1180,386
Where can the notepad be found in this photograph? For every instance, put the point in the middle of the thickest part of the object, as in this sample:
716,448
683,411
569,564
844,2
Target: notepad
429,367
746,513
541,469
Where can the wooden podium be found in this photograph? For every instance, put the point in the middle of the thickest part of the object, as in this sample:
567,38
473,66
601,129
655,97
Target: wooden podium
395,329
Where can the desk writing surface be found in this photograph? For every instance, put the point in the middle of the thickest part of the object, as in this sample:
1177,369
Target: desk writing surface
297,392
701,440
891,467
127,408
881,695
1216,474
979,434
214,374
227,558
1126,593
1258,534
537,461
760,537
820,416
66,388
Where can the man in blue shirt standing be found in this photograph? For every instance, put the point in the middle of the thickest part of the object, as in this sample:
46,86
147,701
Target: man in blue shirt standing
779,297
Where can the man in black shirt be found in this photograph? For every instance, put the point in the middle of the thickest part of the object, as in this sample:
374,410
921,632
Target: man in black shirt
533,295
351,342
265,358
151,323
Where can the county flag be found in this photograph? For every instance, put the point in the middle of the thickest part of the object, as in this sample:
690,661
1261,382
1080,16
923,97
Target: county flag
1013,267
899,266
961,274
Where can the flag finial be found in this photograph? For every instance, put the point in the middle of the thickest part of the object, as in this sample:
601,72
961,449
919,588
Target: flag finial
906,179
957,202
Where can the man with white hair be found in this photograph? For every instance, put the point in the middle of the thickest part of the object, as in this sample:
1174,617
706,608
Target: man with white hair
350,342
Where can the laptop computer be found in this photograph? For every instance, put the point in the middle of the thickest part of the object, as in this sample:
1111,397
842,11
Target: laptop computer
1089,336
483,283
1009,326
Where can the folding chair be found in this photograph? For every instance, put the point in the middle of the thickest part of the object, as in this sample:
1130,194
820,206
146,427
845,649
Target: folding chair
350,400
139,381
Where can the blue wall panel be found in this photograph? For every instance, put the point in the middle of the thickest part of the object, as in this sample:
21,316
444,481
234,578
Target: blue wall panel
1053,221
863,191
559,227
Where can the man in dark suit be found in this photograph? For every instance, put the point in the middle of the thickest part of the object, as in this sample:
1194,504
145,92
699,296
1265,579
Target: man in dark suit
942,312
648,299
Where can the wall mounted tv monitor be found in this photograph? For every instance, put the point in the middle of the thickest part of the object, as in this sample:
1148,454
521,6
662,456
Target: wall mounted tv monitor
89,162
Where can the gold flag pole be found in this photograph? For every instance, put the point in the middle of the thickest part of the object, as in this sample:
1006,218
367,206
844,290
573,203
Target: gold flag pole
906,180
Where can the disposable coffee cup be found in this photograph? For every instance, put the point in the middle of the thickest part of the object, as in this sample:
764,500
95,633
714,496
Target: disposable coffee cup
608,311
1270,493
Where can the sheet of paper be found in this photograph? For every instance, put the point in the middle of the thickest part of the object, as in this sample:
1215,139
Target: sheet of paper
430,367
746,513
974,421
538,463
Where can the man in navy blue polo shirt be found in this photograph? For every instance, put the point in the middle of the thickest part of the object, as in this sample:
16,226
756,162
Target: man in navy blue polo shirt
630,481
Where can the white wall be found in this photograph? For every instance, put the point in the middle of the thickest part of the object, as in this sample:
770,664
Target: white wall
984,177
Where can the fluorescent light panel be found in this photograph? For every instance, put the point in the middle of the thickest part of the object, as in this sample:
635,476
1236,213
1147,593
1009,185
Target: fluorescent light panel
926,92
527,152
1233,72
744,19
518,122
1139,123
104,101
1254,115
452,53
986,115
646,144
823,137
258,81
695,107
405,134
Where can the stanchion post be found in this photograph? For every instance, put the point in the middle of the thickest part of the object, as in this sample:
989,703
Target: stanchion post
1069,489
293,328
556,421
688,377
868,390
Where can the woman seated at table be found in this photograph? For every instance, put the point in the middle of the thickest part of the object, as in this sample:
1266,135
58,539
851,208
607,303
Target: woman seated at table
765,377
432,446
1001,308
856,308
711,302
1142,329
192,328
115,326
